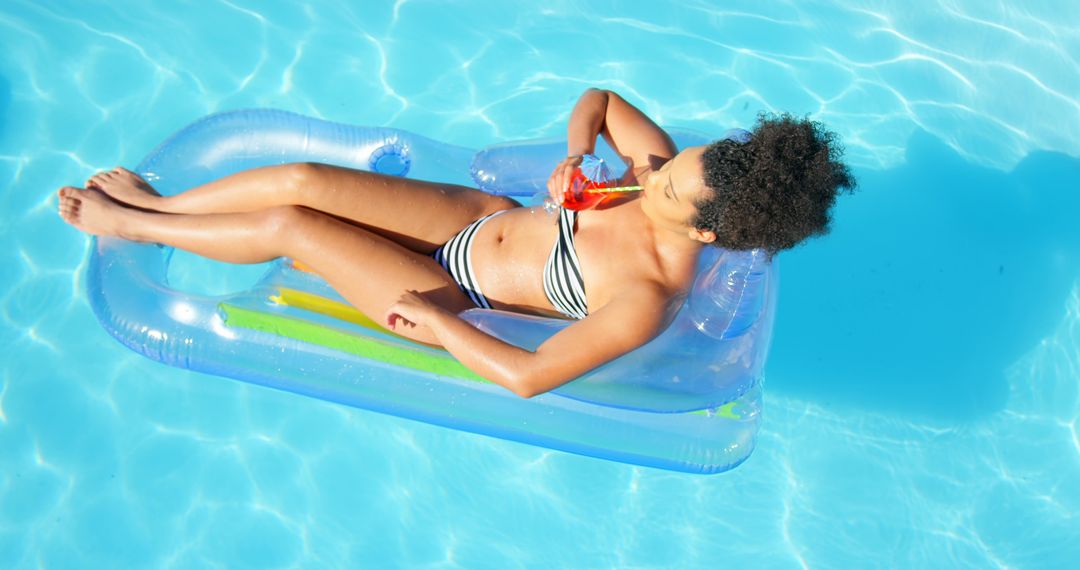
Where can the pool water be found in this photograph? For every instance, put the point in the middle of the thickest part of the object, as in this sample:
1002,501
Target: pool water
922,397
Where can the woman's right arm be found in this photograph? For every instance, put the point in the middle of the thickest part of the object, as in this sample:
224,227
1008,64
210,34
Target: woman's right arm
632,318
641,143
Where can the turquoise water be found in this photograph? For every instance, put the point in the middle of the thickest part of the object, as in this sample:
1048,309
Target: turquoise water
922,401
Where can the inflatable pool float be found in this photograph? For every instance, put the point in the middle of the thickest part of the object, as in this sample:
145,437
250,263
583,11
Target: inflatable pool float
689,400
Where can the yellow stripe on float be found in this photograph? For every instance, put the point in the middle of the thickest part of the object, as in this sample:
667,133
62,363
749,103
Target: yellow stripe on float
324,306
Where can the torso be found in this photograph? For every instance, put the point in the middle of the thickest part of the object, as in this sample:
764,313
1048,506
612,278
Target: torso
510,251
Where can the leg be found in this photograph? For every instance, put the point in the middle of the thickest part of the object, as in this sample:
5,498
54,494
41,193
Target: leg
416,214
370,271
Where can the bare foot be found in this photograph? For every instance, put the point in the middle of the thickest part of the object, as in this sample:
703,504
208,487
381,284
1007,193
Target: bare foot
126,187
92,212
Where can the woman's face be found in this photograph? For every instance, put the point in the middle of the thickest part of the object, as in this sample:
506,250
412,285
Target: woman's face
672,192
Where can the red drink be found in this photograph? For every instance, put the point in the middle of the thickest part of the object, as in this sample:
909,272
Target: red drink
582,193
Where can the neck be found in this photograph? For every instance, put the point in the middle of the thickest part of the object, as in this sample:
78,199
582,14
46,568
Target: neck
676,242
672,242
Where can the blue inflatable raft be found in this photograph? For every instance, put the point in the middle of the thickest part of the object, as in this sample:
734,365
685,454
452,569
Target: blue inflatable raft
690,400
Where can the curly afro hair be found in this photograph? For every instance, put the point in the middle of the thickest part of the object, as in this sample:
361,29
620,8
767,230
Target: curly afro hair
775,190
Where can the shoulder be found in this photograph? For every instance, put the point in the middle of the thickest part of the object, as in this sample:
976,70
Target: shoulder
640,309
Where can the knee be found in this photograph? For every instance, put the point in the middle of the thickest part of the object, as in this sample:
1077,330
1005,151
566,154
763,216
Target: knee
298,176
280,220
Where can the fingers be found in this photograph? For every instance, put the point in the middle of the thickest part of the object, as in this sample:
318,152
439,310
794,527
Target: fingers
560,184
394,317
403,310
555,181
561,176
554,185
552,180
568,175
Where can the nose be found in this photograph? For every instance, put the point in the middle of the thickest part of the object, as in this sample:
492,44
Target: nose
651,181
648,181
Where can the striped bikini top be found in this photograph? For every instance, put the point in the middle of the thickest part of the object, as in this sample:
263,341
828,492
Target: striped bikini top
563,284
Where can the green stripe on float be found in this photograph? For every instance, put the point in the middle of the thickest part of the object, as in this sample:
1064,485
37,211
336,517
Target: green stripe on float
373,349
725,411
345,342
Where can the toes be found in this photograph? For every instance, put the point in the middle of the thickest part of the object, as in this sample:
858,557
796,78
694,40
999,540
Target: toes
68,211
129,174
97,180
69,196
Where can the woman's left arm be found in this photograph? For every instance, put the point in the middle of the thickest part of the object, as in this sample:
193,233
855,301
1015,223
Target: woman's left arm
623,324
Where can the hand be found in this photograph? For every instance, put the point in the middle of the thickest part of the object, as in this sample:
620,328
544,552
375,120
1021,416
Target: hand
412,310
560,177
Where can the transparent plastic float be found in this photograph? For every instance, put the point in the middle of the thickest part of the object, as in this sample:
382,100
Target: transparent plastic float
690,400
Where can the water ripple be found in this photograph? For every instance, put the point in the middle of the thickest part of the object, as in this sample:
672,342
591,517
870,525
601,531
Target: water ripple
114,460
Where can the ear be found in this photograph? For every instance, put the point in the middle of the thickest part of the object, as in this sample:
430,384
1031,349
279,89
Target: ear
704,236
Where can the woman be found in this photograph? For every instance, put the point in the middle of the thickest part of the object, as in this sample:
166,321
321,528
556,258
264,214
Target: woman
418,253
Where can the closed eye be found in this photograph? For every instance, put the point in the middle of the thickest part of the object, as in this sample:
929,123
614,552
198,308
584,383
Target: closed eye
668,190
